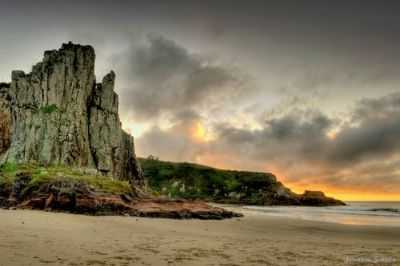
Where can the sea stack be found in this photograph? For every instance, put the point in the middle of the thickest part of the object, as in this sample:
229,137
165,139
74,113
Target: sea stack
59,115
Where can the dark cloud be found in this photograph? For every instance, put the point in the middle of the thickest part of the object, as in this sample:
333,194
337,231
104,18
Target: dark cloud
371,176
185,116
384,107
167,78
294,135
374,131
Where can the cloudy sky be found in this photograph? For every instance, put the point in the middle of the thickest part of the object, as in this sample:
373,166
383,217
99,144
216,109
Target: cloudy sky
308,90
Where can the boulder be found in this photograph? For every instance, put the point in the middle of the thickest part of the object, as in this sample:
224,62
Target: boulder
318,198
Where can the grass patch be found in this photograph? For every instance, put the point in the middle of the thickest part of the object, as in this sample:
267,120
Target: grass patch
41,175
48,109
8,168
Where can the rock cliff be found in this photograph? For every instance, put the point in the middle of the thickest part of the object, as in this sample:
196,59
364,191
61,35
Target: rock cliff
59,115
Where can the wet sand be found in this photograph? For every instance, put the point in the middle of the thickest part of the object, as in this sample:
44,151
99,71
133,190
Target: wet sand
43,238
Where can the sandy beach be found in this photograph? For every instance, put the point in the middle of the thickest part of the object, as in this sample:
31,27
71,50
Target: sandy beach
39,238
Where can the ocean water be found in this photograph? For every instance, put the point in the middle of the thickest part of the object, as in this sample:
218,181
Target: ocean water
360,213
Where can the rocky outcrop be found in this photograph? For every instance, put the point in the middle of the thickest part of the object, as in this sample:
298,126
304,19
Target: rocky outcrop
78,197
318,198
59,115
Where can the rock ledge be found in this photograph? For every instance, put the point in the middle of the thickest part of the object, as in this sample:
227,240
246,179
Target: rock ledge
76,196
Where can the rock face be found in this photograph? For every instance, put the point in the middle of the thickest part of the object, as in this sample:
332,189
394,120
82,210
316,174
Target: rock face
57,114
5,118
108,142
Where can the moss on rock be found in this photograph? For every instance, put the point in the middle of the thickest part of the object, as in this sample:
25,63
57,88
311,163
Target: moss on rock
42,174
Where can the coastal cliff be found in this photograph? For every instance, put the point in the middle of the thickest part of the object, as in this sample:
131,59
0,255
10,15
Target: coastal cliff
193,181
59,115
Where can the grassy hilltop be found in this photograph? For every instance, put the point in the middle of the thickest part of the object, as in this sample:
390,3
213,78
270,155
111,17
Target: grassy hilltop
194,181
40,175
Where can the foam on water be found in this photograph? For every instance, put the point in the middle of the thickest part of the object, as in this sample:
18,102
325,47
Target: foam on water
361,213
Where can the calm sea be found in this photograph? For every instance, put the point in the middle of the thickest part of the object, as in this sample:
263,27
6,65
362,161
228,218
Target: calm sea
361,213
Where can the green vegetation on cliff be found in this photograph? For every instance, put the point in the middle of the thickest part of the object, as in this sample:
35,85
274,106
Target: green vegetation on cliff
42,175
48,109
193,181
61,188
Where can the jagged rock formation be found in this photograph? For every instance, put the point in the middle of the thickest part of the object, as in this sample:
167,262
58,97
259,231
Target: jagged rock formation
57,114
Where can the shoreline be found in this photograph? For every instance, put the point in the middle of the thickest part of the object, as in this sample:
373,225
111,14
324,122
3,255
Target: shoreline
41,238
344,215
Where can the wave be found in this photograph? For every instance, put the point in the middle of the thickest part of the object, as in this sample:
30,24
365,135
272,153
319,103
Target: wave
391,210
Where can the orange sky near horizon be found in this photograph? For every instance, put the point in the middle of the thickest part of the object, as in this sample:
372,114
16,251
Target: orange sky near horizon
342,193
348,194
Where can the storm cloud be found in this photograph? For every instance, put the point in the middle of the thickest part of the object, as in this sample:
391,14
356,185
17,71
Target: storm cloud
167,79
371,132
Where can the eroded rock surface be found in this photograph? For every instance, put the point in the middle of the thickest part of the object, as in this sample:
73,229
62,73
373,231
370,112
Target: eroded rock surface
57,114
5,118
78,197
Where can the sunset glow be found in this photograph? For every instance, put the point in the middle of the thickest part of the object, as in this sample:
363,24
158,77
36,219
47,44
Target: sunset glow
349,194
200,133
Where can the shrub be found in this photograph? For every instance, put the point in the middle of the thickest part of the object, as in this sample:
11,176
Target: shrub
48,109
